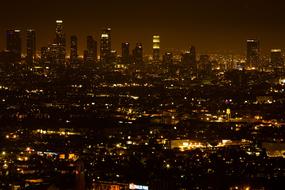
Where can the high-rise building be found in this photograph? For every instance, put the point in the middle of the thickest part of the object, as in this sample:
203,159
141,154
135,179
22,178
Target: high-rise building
31,45
59,34
189,59
253,53
59,43
168,58
105,45
91,52
156,48
14,43
73,49
138,53
276,58
125,52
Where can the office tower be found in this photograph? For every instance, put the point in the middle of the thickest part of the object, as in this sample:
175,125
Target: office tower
59,34
156,48
59,46
253,53
105,45
31,45
113,56
73,49
125,52
189,59
138,53
276,58
91,52
14,43
168,58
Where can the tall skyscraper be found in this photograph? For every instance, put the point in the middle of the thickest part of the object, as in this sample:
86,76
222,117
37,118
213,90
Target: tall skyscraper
276,58
14,43
31,45
105,45
125,52
156,48
59,43
91,52
138,53
73,49
253,53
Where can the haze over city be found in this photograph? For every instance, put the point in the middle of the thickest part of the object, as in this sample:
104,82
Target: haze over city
142,95
211,25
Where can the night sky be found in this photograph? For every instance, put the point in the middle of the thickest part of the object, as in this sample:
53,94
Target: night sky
210,25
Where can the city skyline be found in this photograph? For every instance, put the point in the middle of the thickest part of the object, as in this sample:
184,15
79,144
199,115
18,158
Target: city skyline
213,27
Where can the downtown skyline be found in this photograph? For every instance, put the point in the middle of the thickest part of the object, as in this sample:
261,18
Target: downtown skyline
213,27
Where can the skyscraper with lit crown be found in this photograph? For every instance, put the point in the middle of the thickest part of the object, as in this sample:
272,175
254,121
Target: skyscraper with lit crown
125,52
105,45
138,54
253,53
59,43
14,43
276,59
156,48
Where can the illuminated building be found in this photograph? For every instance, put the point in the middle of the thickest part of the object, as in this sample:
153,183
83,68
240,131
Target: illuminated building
73,49
156,48
90,55
125,52
105,45
138,53
253,53
276,58
31,45
168,58
14,43
59,43
113,56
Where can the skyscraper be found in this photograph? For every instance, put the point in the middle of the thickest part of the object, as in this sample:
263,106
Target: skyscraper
73,49
138,53
59,43
156,48
276,58
168,58
31,45
105,45
253,53
189,59
91,52
14,43
125,52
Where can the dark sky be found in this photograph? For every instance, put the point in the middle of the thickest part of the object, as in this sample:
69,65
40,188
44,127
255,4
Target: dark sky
210,25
